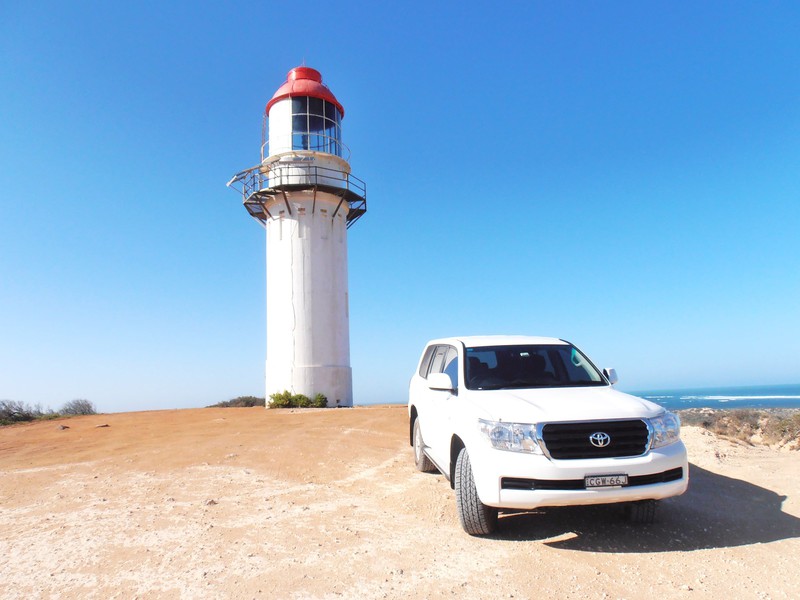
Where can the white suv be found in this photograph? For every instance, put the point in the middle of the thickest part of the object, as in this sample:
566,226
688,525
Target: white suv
518,423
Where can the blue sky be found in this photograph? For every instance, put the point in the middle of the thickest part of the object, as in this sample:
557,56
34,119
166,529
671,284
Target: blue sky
623,175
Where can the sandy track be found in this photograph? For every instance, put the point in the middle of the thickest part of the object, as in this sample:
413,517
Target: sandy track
249,503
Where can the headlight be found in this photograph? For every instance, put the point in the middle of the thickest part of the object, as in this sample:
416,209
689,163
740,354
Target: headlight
666,430
515,437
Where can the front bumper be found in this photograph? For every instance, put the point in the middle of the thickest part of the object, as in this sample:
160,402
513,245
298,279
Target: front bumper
524,481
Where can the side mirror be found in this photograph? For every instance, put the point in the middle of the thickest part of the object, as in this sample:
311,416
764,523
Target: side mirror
611,375
440,381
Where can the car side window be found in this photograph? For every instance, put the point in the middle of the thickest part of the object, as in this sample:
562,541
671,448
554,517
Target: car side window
426,361
438,359
451,364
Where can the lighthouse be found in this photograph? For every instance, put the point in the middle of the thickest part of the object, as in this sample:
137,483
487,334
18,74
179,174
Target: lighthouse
304,195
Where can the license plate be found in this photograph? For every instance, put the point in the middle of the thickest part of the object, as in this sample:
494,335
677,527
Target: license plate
594,481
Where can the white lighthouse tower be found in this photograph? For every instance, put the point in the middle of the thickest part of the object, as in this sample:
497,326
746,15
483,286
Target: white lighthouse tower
304,195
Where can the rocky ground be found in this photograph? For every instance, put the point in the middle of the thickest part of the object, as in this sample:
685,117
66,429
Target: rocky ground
251,503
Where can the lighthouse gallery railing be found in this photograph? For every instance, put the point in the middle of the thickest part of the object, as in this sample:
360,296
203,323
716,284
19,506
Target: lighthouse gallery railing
262,183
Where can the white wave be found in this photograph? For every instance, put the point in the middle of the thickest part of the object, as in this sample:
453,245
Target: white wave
729,398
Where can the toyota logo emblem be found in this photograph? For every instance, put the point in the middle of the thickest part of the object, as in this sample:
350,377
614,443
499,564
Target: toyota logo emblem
600,439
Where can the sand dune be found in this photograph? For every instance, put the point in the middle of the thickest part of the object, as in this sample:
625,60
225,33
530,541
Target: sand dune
250,503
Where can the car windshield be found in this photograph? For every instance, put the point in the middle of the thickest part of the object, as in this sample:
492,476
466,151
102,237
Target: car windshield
528,366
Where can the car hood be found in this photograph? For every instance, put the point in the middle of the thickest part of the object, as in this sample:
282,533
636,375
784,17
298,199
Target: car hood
561,404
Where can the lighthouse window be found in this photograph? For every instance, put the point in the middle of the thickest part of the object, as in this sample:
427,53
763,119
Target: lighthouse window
315,106
299,105
316,125
330,111
299,122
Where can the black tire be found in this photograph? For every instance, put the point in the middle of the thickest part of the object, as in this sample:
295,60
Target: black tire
423,463
476,518
642,512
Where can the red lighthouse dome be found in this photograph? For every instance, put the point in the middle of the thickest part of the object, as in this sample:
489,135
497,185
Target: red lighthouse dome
305,81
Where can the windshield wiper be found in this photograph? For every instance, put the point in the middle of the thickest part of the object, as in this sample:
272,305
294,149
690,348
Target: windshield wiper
522,386
517,386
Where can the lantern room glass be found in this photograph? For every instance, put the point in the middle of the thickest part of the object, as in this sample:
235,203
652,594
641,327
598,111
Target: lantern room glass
316,125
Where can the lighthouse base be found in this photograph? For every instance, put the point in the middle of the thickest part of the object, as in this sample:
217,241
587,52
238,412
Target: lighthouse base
335,383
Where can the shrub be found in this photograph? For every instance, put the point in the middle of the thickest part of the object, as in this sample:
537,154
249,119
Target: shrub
78,407
779,429
17,412
239,402
281,399
14,412
286,399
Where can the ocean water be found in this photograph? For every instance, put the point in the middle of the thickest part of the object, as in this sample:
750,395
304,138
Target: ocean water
760,396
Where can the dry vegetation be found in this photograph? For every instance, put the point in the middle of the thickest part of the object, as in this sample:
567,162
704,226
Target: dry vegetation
772,427
12,411
240,402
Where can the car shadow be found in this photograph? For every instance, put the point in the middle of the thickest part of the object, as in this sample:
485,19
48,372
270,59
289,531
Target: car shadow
715,512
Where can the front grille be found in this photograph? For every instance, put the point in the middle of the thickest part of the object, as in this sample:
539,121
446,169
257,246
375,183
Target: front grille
518,483
571,440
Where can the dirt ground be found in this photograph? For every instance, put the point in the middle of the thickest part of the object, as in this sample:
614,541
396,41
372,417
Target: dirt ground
250,503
